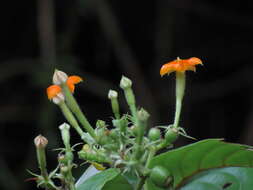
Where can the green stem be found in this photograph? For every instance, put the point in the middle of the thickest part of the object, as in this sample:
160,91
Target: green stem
70,118
69,155
130,98
74,107
151,154
115,107
141,183
180,88
41,156
142,119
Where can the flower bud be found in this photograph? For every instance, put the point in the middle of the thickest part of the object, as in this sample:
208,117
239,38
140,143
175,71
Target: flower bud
143,115
112,94
171,135
65,134
154,134
86,148
40,142
160,176
61,158
64,126
64,169
59,77
100,124
125,82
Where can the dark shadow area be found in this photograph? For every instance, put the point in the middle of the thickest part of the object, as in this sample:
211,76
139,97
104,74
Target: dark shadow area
101,41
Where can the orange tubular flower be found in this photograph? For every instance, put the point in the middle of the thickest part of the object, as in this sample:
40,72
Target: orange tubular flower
72,80
180,65
53,91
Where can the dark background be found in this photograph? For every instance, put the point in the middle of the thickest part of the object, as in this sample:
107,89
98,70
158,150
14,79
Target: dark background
102,40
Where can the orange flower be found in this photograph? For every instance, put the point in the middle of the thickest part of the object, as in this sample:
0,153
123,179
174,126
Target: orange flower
72,80
53,91
180,65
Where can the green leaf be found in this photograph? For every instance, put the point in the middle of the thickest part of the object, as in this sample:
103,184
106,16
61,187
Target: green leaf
189,160
117,183
230,178
110,179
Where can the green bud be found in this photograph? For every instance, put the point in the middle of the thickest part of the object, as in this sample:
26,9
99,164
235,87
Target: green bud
125,83
143,115
160,176
65,134
100,124
171,135
64,170
154,134
62,159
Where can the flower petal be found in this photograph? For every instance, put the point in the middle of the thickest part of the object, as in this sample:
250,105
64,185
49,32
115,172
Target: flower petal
180,65
194,61
52,91
71,87
74,79
168,68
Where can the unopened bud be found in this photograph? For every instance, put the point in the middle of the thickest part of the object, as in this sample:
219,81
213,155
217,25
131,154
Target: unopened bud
125,82
154,134
65,134
112,94
64,169
100,124
61,158
59,77
86,148
64,126
171,135
143,115
40,142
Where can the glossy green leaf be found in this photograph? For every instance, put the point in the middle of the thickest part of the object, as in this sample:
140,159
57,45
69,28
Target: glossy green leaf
110,179
189,160
230,178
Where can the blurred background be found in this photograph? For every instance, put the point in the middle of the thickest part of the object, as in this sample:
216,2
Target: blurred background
101,40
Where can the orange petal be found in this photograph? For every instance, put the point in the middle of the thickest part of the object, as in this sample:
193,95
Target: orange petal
168,68
74,79
71,87
52,91
194,61
191,68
